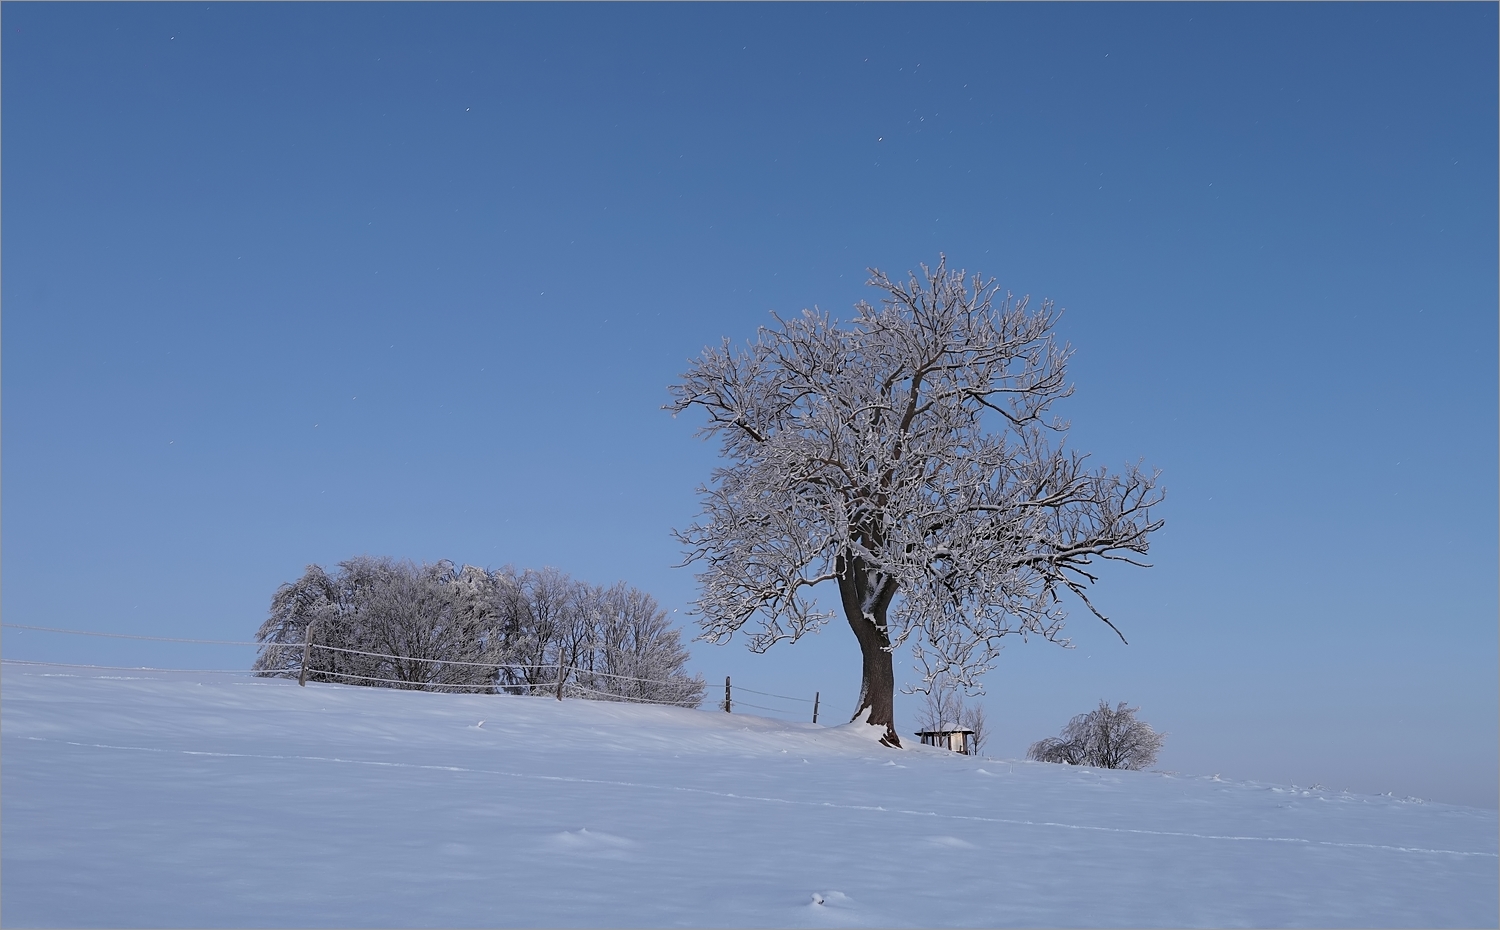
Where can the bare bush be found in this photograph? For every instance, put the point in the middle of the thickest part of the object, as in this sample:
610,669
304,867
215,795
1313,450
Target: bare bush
1106,738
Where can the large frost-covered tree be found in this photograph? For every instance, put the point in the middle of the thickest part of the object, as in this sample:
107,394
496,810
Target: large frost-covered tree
907,458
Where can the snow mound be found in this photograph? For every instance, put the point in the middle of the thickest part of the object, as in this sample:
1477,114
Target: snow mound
597,843
217,800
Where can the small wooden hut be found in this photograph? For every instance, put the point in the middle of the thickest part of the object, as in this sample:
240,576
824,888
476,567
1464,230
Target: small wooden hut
958,739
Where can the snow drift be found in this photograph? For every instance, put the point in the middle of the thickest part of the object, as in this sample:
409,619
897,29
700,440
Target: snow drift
134,799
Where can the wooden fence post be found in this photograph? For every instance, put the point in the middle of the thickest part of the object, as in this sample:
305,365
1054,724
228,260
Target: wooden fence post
728,699
306,648
816,695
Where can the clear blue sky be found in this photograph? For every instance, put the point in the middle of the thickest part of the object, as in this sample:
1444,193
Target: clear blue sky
287,283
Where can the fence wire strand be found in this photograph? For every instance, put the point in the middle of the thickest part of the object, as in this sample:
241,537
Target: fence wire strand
739,703
626,699
498,666
769,694
419,685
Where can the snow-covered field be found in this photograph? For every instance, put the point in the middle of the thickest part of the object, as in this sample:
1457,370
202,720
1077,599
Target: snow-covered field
136,799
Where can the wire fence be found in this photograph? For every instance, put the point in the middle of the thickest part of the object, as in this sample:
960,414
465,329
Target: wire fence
617,698
557,688
740,703
769,694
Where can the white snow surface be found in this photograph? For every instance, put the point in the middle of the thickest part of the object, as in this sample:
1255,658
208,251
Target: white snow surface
151,799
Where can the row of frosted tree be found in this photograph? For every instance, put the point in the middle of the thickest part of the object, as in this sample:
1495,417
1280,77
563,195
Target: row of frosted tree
442,627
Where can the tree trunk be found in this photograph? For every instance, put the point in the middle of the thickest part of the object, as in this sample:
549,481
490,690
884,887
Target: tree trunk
877,689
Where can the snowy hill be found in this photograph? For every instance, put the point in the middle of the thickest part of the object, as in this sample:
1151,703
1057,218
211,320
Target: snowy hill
134,799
